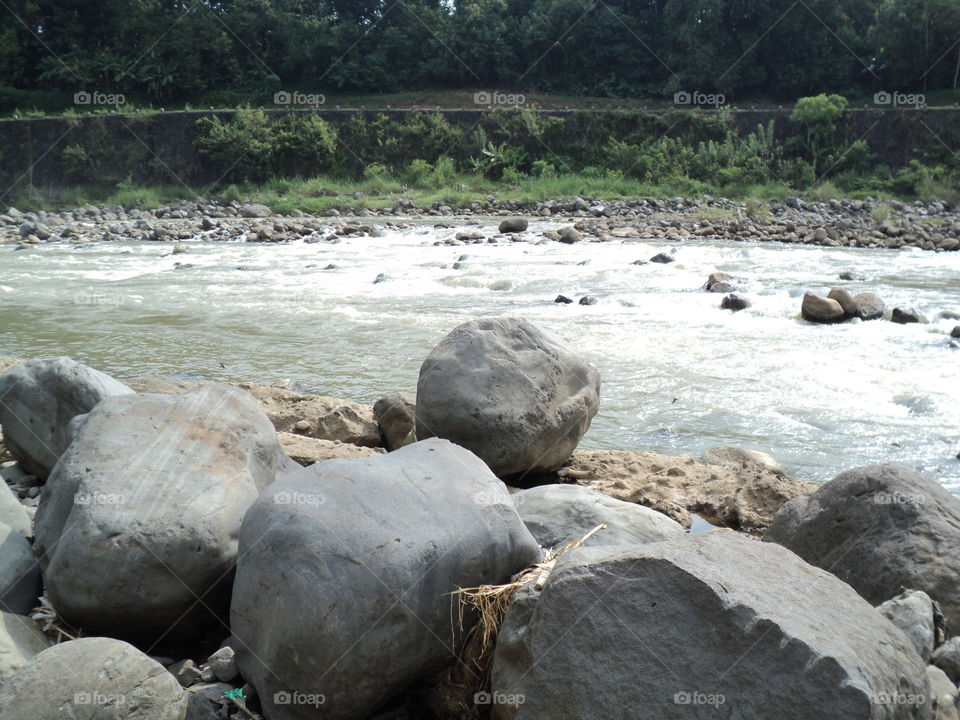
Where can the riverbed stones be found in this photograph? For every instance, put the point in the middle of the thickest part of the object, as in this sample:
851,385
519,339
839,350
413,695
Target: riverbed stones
869,306
913,612
817,309
513,225
879,528
559,514
94,677
716,623
906,316
20,642
518,397
20,584
346,568
148,500
396,415
39,398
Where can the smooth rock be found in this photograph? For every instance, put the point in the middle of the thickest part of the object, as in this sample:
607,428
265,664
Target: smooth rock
396,415
563,299
869,306
588,300
513,225
912,612
20,584
97,678
516,396
663,258
343,584
153,488
845,300
559,514
570,235
734,302
818,309
716,625
955,333
40,398
879,528
20,642
905,316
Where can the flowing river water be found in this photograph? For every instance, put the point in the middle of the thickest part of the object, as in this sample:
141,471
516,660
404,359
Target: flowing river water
679,374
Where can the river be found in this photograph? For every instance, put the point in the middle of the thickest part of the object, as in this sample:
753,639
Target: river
679,374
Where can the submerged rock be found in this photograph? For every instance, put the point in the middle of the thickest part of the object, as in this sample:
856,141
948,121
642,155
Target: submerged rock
714,625
734,302
516,396
346,569
905,316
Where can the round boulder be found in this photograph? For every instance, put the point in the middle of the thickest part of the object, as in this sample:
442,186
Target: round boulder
142,515
869,306
513,225
906,316
559,514
879,528
818,309
40,398
516,396
94,677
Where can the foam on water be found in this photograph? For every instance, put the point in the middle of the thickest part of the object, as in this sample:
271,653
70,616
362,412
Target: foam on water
679,374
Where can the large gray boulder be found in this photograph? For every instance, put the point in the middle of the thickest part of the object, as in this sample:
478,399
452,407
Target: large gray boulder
880,528
718,625
39,398
20,584
148,500
20,642
93,678
817,309
559,514
516,396
343,590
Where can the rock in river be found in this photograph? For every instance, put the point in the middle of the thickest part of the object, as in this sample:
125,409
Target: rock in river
817,309
718,625
343,584
513,225
142,515
516,396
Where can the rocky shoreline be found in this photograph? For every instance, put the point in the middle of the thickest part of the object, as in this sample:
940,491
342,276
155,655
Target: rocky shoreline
931,226
192,551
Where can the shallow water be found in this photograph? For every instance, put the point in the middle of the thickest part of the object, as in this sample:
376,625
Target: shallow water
679,374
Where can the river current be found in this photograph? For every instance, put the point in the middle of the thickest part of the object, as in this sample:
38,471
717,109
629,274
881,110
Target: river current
679,374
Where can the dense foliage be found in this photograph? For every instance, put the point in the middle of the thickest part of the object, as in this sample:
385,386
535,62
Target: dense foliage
218,52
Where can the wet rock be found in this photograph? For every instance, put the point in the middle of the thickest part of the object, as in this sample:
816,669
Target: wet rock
869,306
913,612
92,677
570,235
879,528
817,309
672,613
663,258
955,333
19,573
153,487
846,302
905,316
518,397
851,275
396,415
563,299
719,282
20,642
588,300
346,568
40,398
734,302
382,277
513,225
559,514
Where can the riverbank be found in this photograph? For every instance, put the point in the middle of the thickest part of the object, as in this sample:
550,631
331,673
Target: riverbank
865,223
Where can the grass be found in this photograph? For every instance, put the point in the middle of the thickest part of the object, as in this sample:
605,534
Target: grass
381,190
